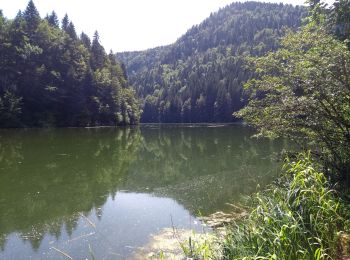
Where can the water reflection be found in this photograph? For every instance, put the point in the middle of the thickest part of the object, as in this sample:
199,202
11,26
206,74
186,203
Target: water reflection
203,167
48,176
52,181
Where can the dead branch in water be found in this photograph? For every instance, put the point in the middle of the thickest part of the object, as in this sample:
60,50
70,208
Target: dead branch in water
63,253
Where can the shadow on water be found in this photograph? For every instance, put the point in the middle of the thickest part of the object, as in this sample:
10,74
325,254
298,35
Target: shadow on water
48,178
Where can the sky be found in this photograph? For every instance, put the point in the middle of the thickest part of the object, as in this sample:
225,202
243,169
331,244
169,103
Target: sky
128,25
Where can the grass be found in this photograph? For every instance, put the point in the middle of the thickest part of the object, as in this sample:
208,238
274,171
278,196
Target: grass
298,217
199,247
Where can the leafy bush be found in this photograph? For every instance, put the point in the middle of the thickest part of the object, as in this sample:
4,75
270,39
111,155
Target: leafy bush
302,92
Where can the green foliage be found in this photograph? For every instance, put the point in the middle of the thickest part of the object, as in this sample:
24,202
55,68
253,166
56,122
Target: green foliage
302,92
300,217
199,247
335,19
317,11
31,16
199,78
65,22
50,77
341,20
53,19
10,109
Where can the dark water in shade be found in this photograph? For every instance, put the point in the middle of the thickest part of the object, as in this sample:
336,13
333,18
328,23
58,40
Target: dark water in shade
107,190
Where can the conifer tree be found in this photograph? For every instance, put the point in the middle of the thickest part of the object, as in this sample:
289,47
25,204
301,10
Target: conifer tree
53,19
31,16
125,74
98,52
65,22
85,40
71,31
112,58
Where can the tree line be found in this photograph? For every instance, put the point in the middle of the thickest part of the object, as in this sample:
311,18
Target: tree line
199,78
50,76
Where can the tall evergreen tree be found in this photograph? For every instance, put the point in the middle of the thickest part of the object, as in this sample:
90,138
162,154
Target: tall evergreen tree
97,52
125,73
112,58
71,30
85,40
53,19
65,22
31,16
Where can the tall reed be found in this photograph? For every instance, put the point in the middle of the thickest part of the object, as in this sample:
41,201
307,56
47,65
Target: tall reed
299,217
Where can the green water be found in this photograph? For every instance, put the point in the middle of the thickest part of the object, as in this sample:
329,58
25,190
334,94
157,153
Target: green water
110,189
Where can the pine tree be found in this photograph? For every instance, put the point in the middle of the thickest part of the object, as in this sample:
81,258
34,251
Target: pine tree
31,16
71,31
85,40
65,22
125,74
112,58
98,52
53,20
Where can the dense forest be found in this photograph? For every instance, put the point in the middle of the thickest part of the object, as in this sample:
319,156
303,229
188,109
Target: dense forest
299,92
199,78
50,76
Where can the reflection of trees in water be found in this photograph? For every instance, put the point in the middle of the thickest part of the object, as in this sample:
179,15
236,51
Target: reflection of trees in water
47,176
10,155
2,242
203,168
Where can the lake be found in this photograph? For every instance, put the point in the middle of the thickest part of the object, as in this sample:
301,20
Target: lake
106,191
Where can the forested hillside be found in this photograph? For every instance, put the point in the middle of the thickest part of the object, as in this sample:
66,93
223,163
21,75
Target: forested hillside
300,92
199,78
50,76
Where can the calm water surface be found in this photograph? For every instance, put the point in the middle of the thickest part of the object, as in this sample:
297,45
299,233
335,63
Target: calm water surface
108,190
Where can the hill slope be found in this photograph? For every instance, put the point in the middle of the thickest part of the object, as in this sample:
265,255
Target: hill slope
199,78
49,76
